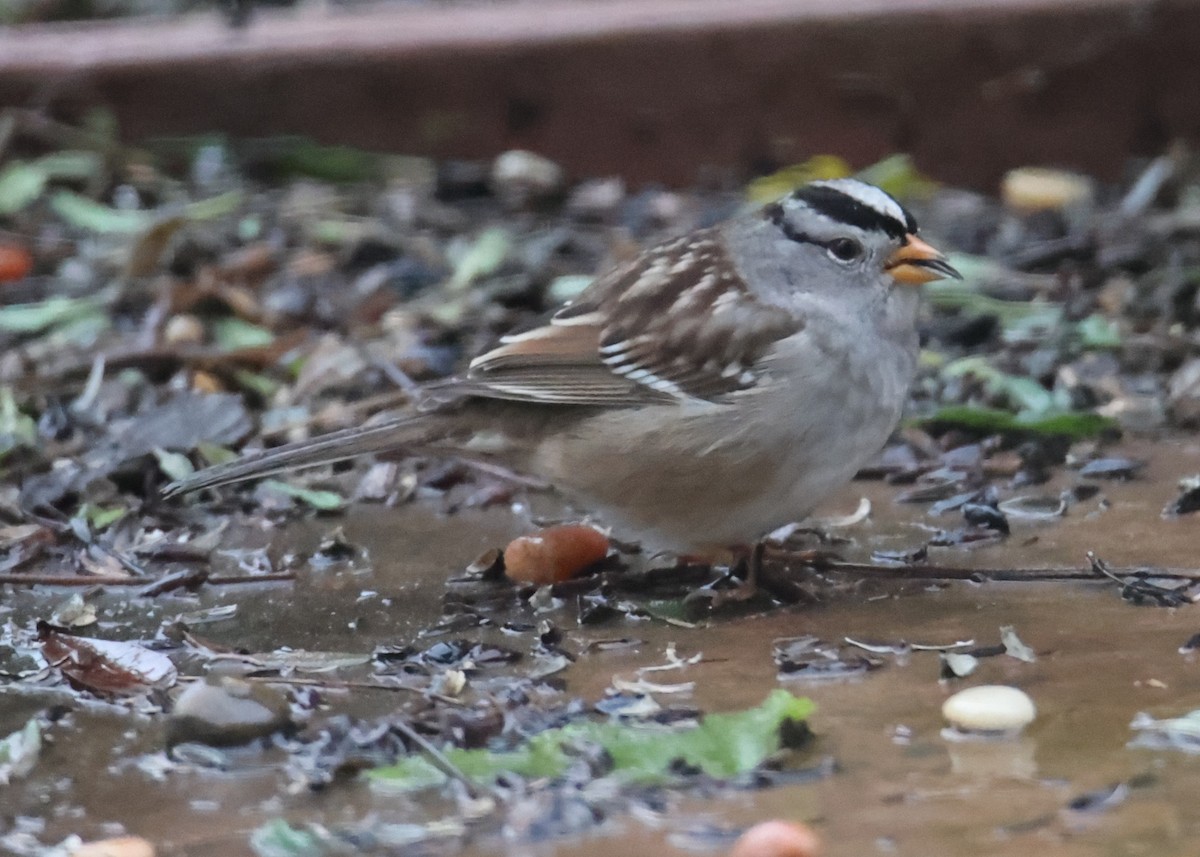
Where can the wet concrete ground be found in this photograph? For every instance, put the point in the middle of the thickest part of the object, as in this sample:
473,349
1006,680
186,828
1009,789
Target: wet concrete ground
899,786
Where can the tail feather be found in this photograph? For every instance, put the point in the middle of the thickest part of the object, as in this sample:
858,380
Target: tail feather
326,449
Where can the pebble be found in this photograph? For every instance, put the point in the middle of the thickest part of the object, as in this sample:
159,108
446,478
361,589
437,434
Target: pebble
224,711
989,708
520,177
777,839
183,329
1183,396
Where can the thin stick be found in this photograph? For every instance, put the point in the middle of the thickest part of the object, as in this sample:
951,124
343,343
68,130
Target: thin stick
326,684
935,572
78,580
232,579
438,758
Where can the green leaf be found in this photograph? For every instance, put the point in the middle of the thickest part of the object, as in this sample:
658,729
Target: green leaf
784,181
483,257
234,333
71,165
215,206
16,429
1098,331
19,751
341,231
951,294
20,184
1073,424
52,312
101,517
723,745
277,838
174,465
256,382
899,176
338,164
83,331
326,501
92,216
215,454
1027,395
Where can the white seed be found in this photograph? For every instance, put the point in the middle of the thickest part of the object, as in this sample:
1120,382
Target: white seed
989,708
183,329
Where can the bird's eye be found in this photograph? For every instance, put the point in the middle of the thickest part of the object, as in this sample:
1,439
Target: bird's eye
844,249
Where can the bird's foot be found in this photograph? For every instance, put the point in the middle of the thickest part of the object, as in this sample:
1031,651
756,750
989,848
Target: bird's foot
739,585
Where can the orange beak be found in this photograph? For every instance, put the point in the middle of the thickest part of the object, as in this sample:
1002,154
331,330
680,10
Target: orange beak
917,262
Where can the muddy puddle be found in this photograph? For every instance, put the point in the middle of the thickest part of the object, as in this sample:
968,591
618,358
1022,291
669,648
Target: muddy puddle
879,778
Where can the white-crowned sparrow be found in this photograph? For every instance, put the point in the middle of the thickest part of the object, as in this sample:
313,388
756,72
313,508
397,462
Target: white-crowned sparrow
717,387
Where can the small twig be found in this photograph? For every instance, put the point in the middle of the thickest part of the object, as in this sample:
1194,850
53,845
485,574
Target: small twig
326,684
935,572
394,374
916,647
438,758
1100,567
188,579
1139,589
232,579
67,580
80,580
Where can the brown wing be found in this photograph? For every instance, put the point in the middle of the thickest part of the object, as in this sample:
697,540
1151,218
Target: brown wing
676,323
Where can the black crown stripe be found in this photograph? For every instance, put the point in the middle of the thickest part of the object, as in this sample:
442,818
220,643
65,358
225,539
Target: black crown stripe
840,206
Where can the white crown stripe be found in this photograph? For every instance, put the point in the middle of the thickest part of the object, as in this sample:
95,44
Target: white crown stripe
868,195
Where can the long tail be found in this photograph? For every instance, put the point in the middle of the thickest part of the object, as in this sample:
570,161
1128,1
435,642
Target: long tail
326,449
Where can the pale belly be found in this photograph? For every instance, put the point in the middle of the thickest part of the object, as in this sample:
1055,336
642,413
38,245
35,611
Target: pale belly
723,476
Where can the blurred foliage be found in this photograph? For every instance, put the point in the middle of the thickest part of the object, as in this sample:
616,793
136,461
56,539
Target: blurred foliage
723,745
896,174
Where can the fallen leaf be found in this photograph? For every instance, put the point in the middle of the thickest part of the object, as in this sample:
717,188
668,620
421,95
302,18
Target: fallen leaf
723,745
20,184
234,333
325,501
105,666
52,312
92,216
1013,646
174,465
277,838
19,751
